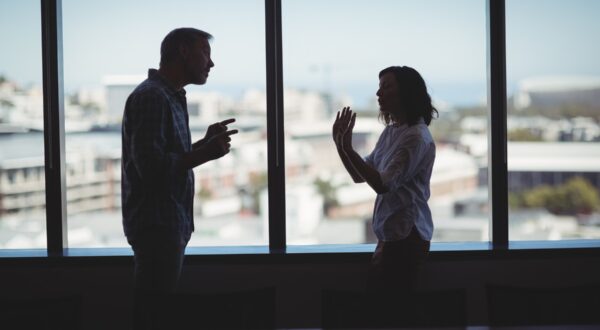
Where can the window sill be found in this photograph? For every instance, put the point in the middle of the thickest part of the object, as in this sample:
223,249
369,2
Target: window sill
317,253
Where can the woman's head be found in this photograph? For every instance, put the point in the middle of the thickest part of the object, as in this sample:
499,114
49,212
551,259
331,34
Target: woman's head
403,96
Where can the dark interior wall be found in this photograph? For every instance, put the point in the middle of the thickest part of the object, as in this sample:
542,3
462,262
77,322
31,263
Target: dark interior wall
105,284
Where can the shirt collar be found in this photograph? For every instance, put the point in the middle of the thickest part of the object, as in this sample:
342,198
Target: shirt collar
405,125
155,75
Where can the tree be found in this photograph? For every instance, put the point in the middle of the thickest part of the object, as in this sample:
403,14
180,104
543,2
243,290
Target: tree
580,196
6,103
328,191
576,196
523,134
258,182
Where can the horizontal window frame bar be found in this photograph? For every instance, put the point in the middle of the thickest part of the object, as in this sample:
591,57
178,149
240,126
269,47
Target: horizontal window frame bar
346,253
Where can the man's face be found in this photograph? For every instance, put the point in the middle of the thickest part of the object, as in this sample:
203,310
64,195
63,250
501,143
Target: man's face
197,61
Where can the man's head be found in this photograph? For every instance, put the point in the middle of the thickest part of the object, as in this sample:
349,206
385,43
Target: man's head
189,50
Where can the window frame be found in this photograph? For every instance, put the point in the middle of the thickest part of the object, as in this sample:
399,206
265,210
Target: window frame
497,246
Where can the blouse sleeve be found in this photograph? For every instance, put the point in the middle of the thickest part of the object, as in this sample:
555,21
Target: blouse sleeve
404,163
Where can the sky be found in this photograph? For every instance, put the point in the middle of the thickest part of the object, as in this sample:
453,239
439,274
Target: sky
334,45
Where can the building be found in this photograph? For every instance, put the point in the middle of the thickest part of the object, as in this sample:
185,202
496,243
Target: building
558,90
531,164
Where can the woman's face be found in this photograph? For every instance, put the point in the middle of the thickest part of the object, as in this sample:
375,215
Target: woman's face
388,94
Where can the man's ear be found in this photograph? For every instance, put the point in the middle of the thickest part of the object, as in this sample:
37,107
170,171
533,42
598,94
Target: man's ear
184,51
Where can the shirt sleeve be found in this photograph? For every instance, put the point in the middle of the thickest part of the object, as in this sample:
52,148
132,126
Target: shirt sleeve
150,125
369,159
404,163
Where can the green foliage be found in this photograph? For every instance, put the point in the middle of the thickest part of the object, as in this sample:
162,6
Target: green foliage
560,111
6,103
204,193
327,190
576,196
515,201
257,184
581,196
523,134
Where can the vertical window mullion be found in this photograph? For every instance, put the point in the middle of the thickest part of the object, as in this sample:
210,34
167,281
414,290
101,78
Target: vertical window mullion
54,133
275,137
497,164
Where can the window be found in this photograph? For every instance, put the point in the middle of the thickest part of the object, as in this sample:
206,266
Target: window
22,190
101,68
553,119
334,62
553,122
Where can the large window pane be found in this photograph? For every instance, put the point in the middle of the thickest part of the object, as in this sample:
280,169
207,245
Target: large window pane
22,180
553,119
108,48
332,54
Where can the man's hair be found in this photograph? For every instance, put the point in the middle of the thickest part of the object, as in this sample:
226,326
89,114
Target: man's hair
169,48
415,102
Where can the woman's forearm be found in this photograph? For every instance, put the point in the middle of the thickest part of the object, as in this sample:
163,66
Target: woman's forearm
366,172
357,178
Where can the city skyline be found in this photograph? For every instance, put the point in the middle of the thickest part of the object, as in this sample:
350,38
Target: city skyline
458,35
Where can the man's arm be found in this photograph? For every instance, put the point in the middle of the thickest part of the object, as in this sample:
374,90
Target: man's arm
215,147
212,130
198,143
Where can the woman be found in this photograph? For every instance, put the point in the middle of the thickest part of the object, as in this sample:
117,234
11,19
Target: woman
399,170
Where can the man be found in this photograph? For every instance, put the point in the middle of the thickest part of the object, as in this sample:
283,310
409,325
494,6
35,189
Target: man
157,162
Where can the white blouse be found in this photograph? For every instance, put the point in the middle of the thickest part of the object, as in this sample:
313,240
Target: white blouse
404,157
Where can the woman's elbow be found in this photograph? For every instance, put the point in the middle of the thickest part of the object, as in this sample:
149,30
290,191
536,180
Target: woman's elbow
380,190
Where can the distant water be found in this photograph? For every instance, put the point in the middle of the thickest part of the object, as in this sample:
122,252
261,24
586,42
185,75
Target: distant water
25,145
455,94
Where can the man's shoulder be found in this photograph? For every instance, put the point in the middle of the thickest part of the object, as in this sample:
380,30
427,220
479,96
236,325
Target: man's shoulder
148,88
148,97
147,94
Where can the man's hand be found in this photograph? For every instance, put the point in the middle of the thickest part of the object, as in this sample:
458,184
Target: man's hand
213,146
218,144
213,130
342,128
218,128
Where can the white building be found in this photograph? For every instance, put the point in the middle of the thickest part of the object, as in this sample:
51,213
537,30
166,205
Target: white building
118,88
553,90
531,164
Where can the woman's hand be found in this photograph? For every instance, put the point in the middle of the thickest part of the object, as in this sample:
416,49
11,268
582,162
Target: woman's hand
342,128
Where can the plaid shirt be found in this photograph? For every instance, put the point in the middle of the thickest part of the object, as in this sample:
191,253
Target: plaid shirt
156,192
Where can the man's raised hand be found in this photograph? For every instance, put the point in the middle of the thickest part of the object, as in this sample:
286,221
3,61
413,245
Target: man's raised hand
219,144
218,127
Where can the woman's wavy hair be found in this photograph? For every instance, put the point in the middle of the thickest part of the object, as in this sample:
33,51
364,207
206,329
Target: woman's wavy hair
414,100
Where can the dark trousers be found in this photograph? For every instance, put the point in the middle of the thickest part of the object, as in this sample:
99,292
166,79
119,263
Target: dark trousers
158,259
395,265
